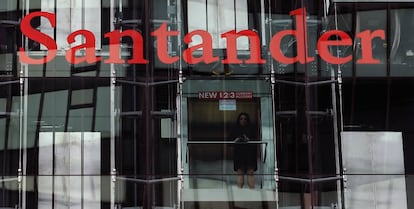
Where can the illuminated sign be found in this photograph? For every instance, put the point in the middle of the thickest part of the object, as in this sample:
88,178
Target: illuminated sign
162,34
225,95
227,105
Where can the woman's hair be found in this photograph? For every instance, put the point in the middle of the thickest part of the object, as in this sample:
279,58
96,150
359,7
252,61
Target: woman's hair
243,114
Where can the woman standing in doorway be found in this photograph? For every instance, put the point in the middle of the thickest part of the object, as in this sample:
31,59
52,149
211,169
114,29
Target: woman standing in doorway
245,153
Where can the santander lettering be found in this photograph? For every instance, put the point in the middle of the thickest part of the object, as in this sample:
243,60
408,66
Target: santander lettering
162,34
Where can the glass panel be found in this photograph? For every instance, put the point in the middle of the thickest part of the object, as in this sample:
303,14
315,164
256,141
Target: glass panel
217,18
376,191
372,20
70,16
409,180
10,101
68,157
227,143
9,192
365,104
69,192
84,96
9,126
130,193
61,104
373,152
401,108
402,54
294,194
359,21
366,155
9,38
305,118
295,38
73,153
80,14
217,193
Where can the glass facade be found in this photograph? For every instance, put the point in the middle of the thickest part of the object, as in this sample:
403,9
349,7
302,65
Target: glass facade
203,104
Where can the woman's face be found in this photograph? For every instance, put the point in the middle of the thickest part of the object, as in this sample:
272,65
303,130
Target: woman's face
243,120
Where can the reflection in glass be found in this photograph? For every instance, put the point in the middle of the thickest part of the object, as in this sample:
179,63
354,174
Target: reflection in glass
68,153
374,153
372,20
402,51
164,192
376,191
71,16
68,156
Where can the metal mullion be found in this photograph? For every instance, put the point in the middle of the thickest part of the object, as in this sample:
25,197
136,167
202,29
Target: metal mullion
7,180
307,118
306,83
180,167
274,97
53,168
131,114
9,82
113,170
338,125
155,83
178,100
148,106
23,128
151,181
161,114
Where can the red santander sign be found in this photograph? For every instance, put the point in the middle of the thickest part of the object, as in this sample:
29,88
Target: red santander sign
162,34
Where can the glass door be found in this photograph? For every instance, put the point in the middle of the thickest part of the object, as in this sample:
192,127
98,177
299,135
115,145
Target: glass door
227,145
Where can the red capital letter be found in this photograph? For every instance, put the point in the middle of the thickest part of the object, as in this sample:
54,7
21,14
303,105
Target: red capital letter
301,40
324,43
206,46
35,35
162,44
114,48
254,43
366,45
89,45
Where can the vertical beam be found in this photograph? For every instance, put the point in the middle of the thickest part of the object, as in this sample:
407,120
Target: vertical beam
23,119
338,122
148,106
308,131
273,89
112,118
180,168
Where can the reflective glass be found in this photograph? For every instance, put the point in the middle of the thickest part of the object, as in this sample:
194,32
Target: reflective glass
373,191
206,104
401,56
227,144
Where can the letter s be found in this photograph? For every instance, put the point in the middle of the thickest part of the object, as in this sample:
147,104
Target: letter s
38,36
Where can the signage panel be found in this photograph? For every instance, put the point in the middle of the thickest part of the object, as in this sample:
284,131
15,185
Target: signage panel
225,95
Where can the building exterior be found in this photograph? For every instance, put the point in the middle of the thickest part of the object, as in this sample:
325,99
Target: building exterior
134,104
